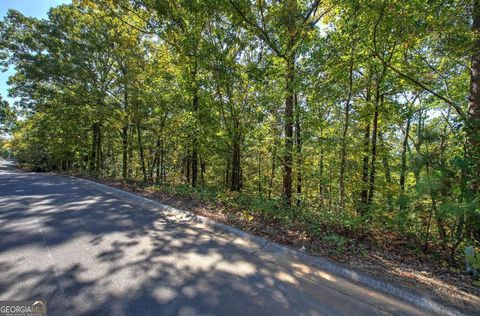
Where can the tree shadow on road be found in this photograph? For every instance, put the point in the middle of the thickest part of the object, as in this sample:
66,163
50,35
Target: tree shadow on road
88,253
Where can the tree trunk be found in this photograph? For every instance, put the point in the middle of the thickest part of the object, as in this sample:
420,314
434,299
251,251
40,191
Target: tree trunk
403,168
386,165
386,168
371,190
202,170
227,174
195,145
272,173
288,117
187,168
298,140
141,153
152,166
235,184
473,122
163,168
94,154
259,170
158,154
126,163
330,189
346,122
93,151
112,168
417,166
322,183
124,151
99,163
130,151
366,158
194,165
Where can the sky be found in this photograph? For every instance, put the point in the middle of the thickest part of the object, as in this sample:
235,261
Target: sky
35,8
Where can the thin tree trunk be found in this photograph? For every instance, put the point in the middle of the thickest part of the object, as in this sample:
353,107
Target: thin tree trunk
386,165
235,184
366,158
130,151
163,168
99,162
330,189
299,152
202,170
195,146
194,165
152,167
403,168
417,167
272,173
94,159
346,122
288,117
322,183
386,168
374,152
259,167
227,174
141,153
93,150
124,151
158,154
113,156
126,162
366,150
187,168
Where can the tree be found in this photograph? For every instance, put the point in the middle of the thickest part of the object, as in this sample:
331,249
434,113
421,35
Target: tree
7,117
283,27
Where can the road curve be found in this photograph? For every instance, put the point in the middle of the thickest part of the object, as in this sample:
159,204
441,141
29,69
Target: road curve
88,253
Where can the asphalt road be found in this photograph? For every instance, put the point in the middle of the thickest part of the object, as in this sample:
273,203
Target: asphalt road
88,253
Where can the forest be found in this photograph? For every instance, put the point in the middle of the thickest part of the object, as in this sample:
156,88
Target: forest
340,119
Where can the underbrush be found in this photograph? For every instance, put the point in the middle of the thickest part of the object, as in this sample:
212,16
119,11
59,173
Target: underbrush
337,233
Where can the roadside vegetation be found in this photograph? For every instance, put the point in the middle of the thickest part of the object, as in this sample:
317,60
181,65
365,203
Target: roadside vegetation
349,129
